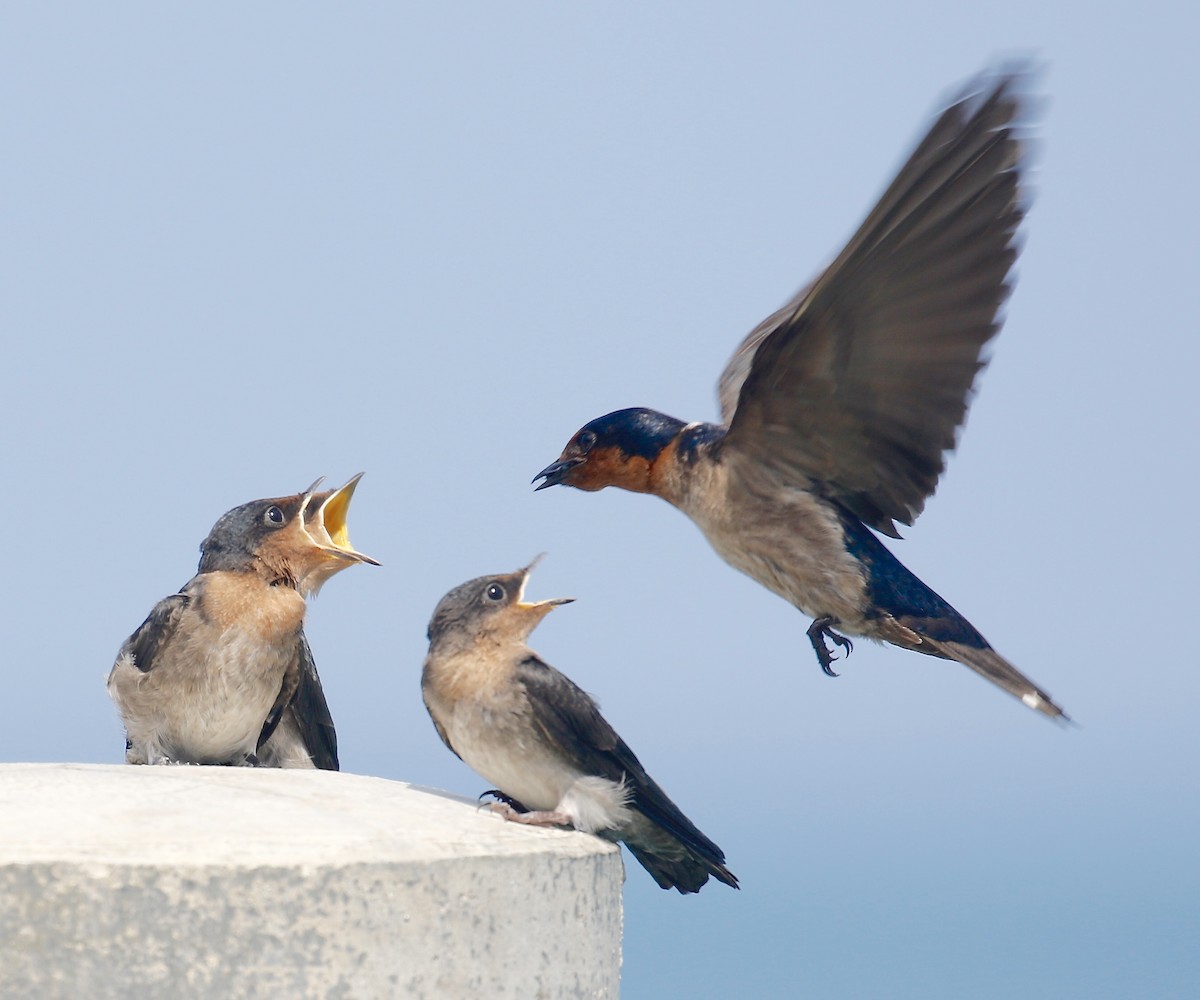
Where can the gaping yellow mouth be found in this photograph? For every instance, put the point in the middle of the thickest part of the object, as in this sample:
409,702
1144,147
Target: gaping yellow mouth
327,524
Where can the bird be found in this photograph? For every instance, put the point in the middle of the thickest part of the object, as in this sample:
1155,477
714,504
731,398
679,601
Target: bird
221,672
837,410
529,730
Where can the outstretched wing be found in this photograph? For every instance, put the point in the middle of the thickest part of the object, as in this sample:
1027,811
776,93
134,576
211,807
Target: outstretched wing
862,381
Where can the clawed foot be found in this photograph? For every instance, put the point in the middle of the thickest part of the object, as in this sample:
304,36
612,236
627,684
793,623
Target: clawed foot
508,800
818,631
514,812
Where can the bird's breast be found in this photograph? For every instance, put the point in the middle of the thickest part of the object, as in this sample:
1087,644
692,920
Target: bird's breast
212,687
788,539
485,713
243,603
499,739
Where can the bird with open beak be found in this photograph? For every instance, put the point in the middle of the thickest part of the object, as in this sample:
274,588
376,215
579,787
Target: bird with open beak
221,672
838,409
527,729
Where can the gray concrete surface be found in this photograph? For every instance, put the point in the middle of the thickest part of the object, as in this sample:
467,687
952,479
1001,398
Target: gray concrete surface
179,882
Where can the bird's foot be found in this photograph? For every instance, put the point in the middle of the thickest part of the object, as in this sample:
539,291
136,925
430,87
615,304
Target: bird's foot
534,817
508,800
156,757
818,631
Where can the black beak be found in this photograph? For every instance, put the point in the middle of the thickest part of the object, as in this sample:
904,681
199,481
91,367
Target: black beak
556,472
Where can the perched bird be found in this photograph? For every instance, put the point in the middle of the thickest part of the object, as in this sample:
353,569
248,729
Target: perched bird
542,741
221,672
837,410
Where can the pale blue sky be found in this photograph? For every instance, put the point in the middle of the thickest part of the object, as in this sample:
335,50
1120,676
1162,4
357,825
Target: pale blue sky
245,246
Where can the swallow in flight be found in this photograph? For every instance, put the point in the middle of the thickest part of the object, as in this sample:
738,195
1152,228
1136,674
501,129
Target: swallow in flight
527,729
838,409
221,673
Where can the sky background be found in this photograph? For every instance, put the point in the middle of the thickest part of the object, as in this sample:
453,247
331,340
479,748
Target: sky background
245,246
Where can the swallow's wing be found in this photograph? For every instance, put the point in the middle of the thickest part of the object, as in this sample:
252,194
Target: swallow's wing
444,738
283,700
570,721
302,708
729,387
861,382
155,633
312,713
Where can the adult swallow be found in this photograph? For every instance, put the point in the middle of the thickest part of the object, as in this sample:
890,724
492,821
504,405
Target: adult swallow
838,409
221,673
542,741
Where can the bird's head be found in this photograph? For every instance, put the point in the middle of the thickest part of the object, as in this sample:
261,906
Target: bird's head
618,449
300,539
491,610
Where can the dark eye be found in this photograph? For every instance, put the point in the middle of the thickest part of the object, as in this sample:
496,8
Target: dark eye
494,592
273,516
585,440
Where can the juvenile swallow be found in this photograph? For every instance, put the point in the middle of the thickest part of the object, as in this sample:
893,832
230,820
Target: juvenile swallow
221,673
838,409
542,741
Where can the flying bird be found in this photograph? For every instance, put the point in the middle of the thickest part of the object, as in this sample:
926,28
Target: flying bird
542,741
221,672
838,409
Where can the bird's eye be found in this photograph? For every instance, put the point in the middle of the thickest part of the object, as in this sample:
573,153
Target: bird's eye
494,592
273,516
585,440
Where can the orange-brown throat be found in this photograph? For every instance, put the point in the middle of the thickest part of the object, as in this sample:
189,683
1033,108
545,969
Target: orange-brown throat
612,467
281,557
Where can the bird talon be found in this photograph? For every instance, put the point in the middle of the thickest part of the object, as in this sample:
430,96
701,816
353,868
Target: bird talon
818,631
501,800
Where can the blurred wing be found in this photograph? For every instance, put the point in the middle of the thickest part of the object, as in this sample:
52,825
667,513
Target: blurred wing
729,387
861,382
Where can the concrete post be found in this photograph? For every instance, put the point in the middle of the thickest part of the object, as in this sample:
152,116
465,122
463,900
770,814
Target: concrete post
181,882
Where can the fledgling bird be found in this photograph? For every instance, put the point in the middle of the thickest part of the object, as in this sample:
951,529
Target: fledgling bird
542,741
221,673
838,409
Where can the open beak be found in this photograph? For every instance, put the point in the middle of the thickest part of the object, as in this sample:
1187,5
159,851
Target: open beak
556,473
538,608
326,523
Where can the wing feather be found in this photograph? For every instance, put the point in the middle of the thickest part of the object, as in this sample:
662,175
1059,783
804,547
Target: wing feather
862,380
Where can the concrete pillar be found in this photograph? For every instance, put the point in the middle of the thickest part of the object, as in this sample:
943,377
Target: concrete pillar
181,882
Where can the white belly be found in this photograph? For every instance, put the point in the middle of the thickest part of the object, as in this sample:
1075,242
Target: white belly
509,754
201,706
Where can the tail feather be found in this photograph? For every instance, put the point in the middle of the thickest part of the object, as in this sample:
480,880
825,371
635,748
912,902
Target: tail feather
986,662
672,863
907,613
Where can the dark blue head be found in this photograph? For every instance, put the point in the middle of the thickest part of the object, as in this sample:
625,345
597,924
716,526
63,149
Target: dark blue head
618,449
